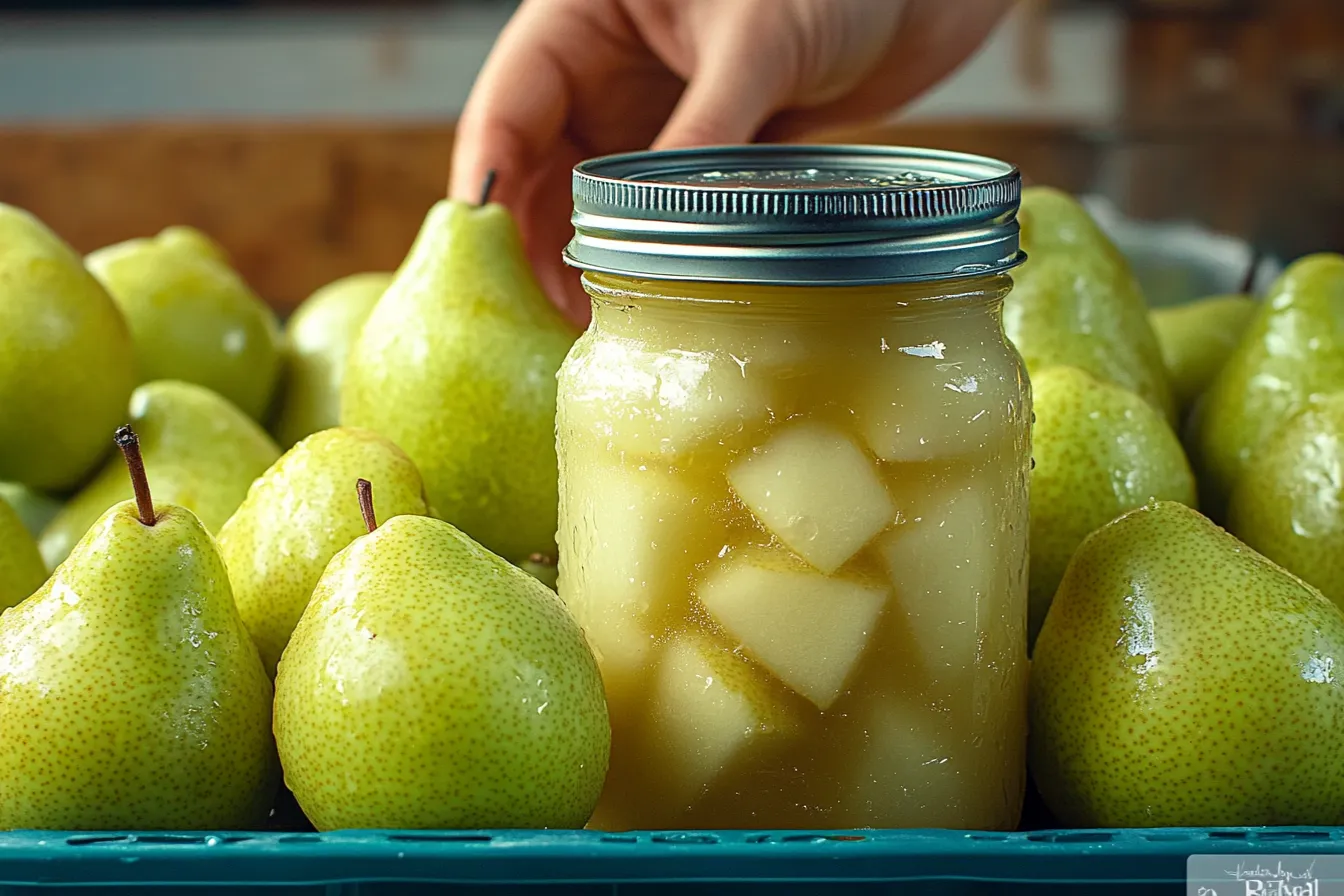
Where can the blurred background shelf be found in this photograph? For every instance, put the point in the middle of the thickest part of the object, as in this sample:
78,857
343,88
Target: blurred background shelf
311,138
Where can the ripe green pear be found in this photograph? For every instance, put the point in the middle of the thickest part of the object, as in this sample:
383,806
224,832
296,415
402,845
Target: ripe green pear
1076,302
1292,350
1196,340
456,364
1289,504
1181,679
192,317
131,697
21,568
295,518
202,453
66,361
1100,451
319,336
33,507
432,684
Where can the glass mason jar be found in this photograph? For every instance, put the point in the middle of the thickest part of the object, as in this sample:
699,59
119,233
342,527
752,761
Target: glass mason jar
794,447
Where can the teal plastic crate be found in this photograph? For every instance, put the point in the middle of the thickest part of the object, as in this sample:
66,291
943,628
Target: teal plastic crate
580,863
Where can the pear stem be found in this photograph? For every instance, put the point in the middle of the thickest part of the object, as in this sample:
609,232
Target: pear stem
487,186
1248,280
364,488
129,443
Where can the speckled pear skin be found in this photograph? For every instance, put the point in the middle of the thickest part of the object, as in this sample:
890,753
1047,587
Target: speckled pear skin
192,317
431,684
318,340
1196,340
1100,451
295,518
1289,504
1292,350
21,568
130,695
200,452
456,364
1183,679
1076,302
66,362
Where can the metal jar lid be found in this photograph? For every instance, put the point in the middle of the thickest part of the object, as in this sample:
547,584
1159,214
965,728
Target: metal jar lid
796,215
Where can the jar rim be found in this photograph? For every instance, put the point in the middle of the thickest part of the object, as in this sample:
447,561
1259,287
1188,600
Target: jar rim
801,215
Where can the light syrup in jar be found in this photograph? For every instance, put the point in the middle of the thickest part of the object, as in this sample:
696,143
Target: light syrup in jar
793,526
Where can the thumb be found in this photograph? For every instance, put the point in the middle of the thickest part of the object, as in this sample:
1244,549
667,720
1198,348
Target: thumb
740,81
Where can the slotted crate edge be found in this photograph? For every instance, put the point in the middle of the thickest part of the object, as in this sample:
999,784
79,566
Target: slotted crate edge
1157,855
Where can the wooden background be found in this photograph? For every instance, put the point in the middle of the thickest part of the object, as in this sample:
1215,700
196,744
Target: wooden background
299,205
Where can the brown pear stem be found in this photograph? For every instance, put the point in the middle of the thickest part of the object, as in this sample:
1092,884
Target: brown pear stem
129,443
1248,280
365,490
487,186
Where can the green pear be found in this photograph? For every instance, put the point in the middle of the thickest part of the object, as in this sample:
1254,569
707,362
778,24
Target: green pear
66,361
432,684
21,568
1289,504
319,338
1076,302
192,317
189,239
1196,340
1292,350
1099,451
295,518
1181,679
131,697
33,507
456,364
201,451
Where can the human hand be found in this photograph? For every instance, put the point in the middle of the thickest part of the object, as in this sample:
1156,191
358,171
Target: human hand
572,79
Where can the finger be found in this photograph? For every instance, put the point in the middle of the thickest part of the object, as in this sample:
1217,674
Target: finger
933,39
745,73
564,285
547,229
517,108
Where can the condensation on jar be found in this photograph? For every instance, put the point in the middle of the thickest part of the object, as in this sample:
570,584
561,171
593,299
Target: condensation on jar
794,447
